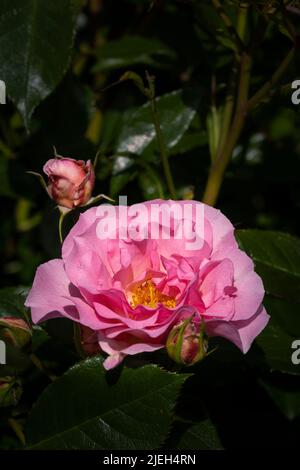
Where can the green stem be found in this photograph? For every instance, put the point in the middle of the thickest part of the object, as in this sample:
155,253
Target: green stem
289,25
228,23
242,20
162,149
154,177
230,130
243,89
267,87
244,105
17,428
218,168
60,224
150,94
39,365
228,110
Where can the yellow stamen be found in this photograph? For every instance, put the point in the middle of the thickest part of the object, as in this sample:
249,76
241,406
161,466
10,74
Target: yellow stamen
148,295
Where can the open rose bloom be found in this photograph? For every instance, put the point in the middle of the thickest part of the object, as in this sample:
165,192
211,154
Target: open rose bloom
132,279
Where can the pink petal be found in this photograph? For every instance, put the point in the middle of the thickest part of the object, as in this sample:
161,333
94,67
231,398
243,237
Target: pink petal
215,279
50,294
241,333
74,170
113,361
249,295
222,308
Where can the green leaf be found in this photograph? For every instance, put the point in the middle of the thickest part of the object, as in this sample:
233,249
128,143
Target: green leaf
285,312
12,302
130,51
276,257
39,337
150,183
190,141
90,409
67,131
277,260
12,305
288,401
31,63
118,182
273,348
110,129
200,436
176,112
226,40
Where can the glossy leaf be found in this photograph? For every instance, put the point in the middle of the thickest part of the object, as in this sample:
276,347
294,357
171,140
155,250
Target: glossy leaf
190,141
119,181
90,409
176,112
200,436
12,302
31,63
273,349
288,401
276,257
130,51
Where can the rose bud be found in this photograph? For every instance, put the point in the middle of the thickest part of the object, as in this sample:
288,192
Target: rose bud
15,331
186,343
70,182
10,391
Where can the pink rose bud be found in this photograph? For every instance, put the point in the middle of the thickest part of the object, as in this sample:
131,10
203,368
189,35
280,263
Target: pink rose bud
15,331
10,391
186,343
70,182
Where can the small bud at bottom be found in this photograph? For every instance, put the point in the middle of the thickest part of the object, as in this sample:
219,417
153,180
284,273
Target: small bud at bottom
187,343
10,391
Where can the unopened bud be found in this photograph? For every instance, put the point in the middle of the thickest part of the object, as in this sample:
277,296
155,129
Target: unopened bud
187,343
70,182
10,391
15,331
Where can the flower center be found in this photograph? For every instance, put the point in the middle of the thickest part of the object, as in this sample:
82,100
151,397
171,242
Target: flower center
148,295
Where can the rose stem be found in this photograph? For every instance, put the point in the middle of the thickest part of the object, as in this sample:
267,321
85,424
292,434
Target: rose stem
39,365
231,134
160,138
17,428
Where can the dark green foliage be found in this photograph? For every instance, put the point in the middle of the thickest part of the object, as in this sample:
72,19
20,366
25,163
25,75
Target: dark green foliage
62,62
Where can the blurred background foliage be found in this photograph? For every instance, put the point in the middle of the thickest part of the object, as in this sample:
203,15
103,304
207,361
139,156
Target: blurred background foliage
182,43
186,46
62,64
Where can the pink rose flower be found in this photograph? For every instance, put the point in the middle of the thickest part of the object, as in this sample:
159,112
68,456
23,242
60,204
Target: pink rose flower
132,289
70,182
